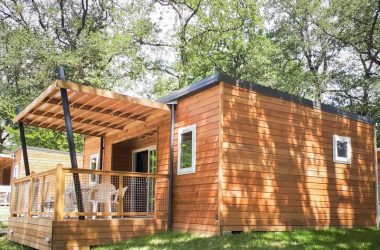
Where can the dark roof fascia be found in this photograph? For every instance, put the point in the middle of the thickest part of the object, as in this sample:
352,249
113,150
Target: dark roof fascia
194,88
216,78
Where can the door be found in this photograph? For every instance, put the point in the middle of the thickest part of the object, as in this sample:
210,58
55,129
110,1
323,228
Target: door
144,161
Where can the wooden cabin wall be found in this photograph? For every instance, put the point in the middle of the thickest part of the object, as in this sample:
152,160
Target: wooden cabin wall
122,151
195,196
91,146
41,160
121,160
278,170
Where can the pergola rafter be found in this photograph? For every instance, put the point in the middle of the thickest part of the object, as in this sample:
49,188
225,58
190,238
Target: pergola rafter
93,111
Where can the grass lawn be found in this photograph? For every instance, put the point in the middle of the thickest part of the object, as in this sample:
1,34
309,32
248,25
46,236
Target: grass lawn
359,238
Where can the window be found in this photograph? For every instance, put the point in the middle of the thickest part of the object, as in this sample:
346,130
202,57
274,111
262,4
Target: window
16,171
94,165
186,149
342,149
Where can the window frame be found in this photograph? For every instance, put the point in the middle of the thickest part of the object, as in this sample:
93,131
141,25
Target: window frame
338,159
97,168
193,129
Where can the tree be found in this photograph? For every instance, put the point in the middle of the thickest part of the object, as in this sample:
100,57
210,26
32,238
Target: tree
302,41
95,41
357,25
218,36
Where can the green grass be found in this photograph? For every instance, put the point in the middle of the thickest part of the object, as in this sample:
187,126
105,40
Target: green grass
364,238
7,245
359,238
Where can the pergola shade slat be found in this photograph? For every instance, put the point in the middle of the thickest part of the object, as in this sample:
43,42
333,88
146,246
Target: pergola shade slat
93,111
84,121
62,128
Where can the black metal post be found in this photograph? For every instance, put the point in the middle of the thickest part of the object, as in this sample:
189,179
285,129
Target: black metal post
101,153
171,160
70,141
23,146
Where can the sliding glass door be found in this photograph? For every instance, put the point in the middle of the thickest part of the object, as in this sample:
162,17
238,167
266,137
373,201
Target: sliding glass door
144,161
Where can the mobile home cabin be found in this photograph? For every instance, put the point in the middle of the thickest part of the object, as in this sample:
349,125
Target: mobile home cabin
220,155
40,160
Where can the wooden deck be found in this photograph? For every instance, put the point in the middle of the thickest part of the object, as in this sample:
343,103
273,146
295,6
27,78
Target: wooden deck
45,216
42,233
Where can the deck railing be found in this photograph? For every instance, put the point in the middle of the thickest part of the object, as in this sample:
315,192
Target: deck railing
58,194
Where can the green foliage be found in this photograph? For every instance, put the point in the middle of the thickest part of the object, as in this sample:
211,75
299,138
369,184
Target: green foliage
333,238
94,42
186,150
327,51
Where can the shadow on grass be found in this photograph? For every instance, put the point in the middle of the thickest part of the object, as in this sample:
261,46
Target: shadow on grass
359,238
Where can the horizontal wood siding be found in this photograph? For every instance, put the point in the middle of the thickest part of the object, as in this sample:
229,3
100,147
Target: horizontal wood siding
278,172
195,196
122,151
44,160
75,234
31,232
91,147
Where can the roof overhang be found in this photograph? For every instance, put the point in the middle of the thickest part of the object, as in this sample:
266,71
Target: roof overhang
93,111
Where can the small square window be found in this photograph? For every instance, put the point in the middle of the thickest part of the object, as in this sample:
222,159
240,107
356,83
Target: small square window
186,149
342,149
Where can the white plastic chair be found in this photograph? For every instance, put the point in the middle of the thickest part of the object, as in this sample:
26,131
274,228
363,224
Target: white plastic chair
102,194
116,196
70,202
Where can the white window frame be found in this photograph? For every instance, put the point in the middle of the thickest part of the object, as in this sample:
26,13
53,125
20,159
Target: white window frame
336,158
97,168
183,130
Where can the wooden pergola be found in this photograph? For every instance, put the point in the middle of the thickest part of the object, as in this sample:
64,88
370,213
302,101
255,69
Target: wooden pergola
74,108
93,111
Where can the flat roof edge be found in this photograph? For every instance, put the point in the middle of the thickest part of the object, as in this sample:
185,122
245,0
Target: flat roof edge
299,100
220,77
190,89
47,150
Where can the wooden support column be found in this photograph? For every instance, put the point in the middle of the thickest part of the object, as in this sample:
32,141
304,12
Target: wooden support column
59,202
70,141
23,146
